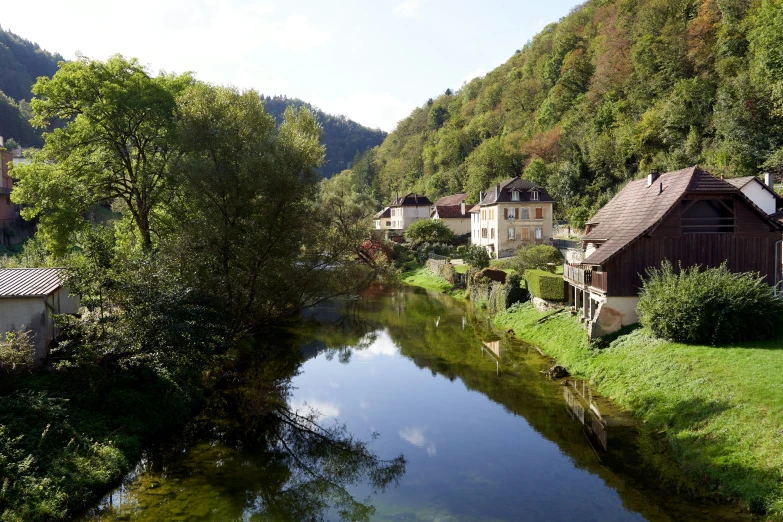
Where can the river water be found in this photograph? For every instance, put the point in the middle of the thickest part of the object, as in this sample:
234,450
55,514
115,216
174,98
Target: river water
478,433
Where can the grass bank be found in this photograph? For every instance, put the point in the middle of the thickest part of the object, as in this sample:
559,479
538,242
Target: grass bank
716,411
424,278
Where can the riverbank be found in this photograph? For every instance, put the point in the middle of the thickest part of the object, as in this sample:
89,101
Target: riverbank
424,278
66,437
717,411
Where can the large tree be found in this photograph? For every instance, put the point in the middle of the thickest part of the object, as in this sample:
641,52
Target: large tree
117,144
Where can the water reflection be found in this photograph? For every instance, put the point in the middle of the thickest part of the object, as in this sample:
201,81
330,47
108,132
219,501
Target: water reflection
591,417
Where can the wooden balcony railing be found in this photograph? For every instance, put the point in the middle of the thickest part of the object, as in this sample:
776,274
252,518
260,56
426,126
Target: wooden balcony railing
591,278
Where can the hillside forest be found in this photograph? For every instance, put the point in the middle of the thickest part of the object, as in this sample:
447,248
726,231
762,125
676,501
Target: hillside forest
613,91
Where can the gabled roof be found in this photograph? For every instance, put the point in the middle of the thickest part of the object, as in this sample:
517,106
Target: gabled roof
450,207
740,183
411,200
385,213
474,208
29,282
638,208
523,186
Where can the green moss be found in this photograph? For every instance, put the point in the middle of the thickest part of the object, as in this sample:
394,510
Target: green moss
717,410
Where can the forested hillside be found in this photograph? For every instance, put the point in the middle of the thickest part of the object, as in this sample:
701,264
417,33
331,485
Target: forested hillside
343,138
614,90
21,63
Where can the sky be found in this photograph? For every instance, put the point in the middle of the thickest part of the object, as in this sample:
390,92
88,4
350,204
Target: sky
372,60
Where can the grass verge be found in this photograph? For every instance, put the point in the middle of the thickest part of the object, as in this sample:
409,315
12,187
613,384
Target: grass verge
718,411
424,278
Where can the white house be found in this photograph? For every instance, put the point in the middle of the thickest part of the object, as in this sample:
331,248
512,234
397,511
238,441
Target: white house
408,209
383,219
761,193
29,297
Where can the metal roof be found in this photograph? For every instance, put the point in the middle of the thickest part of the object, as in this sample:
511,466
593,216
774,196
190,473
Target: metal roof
29,282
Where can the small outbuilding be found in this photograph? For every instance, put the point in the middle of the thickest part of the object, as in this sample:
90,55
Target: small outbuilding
29,298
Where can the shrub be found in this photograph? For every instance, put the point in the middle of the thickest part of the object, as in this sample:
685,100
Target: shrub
710,306
545,285
17,353
491,273
540,257
428,230
477,257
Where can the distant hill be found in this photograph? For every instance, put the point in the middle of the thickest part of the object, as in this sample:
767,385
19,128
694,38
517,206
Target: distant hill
21,63
343,138
612,91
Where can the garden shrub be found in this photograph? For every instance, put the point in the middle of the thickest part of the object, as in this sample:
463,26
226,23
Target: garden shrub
708,306
545,285
17,354
430,231
494,275
540,257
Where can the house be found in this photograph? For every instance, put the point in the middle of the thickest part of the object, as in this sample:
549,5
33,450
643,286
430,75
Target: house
513,213
688,217
407,209
28,299
453,211
761,193
383,219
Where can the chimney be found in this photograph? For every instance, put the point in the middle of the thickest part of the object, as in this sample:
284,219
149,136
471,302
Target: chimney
2,142
497,192
660,191
462,207
651,178
769,180
397,199
481,197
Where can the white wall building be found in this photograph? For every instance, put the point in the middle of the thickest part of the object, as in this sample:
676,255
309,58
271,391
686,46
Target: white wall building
408,209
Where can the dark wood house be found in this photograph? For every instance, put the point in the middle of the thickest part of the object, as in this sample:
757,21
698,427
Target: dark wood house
688,217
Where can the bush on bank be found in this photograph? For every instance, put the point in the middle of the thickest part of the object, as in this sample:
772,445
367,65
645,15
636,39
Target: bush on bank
708,306
545,285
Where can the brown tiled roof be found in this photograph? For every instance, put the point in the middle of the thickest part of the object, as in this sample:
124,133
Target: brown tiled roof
639,208
29,282
450,201
411,200
383,213
474,208
451,212
508,186
740,182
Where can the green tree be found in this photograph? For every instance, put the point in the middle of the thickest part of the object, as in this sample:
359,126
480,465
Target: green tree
428,231
119,144
540,257
477,257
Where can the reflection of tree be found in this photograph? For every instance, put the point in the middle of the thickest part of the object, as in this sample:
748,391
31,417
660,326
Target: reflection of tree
316,464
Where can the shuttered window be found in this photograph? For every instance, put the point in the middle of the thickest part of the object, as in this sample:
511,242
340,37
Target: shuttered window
511,235
539,213
492,233
524,213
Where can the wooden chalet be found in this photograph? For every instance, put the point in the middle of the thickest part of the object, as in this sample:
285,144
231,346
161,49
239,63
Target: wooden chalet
689,217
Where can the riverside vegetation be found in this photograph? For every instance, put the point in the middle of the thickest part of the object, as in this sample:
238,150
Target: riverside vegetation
188,221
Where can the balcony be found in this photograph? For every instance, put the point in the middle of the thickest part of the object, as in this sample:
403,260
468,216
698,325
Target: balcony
581,277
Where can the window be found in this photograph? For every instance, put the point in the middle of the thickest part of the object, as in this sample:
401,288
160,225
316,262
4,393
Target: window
707,216
492,233
484,215
484,233
511,213
539,213
515,196
525,213
525,234
539,233
534,195
511,236
388,223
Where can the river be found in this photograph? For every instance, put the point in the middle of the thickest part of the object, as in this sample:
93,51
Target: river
477,432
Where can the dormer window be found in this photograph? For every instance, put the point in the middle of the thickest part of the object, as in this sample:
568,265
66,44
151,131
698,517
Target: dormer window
515,195
533,195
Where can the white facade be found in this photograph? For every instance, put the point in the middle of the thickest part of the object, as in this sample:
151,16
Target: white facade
760,195
403,216
34,314
504,227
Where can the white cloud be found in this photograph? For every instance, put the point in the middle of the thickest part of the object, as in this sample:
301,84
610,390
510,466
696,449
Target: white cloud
383,345
432,451
407,9
380,110
325,409
415,436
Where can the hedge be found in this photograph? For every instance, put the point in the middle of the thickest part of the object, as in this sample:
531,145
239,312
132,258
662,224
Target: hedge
546,285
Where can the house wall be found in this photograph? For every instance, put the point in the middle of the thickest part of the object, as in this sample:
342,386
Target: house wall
750,249
34,314
760,196
459,226
403,217
501,244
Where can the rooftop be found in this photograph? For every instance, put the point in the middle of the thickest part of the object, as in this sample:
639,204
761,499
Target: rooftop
29,282
502,192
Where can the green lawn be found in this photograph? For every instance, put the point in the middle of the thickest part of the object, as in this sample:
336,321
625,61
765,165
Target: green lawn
424,278
718,411
461,269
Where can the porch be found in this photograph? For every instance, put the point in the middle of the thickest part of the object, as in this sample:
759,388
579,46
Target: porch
582,278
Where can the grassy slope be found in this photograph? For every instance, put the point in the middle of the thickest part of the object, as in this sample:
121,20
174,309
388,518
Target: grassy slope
424,278
718,409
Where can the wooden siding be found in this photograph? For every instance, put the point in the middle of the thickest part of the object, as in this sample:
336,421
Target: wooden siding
751,248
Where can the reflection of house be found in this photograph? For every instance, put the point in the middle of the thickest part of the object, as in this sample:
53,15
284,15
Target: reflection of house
409,208
453,212
688,217
28,298
511,214
383,219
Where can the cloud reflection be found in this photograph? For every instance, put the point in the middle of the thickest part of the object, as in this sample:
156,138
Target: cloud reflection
383,345
417,437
